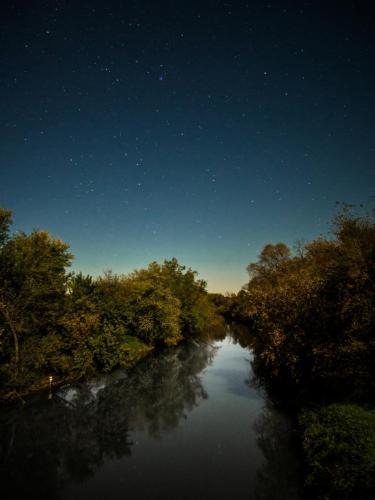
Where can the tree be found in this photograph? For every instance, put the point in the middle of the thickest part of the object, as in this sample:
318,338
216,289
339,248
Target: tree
55,322
314,314
5,223
197,311
270,258
153,312
32,294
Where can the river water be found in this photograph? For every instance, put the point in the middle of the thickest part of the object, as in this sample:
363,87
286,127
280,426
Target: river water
185,423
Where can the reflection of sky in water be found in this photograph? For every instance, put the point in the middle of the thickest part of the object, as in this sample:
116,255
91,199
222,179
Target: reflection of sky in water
230,372
212,451
183,424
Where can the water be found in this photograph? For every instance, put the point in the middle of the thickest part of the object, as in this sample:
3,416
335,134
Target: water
186,423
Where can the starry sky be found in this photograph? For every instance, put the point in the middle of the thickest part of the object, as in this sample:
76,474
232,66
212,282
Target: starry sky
142,130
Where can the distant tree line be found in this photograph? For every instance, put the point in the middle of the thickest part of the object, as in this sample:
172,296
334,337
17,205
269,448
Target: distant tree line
66,325
311,315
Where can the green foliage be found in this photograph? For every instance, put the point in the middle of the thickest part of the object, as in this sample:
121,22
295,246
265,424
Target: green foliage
79,328
5,223
82,292
270,258
33,280
233,307
144,306
314,314
32,301
112,348
196,310
339,447
153,312
71,325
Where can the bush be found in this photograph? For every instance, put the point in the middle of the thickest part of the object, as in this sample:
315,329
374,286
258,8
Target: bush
339,448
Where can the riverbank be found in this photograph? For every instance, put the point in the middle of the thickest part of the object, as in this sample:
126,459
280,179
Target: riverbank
184,419
311,312
70,326
136,352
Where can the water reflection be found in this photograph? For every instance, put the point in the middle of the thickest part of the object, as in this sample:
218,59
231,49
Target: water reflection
46,443
241,335
185,420
278,477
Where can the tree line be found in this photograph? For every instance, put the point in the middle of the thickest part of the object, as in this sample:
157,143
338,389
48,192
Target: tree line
311,314
68,326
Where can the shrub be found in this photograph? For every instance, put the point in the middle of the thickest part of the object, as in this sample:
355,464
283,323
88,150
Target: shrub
339,448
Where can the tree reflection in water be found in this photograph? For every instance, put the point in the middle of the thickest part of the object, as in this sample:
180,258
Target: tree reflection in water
278,477
51,447
44,444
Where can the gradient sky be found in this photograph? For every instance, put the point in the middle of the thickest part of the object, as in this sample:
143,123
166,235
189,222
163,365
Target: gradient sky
138,131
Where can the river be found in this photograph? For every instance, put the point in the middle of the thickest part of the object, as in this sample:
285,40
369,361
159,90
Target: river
185,423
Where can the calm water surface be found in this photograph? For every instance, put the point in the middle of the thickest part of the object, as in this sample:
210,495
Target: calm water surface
186,423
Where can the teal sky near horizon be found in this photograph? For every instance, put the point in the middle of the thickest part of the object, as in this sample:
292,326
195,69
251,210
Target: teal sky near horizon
140,130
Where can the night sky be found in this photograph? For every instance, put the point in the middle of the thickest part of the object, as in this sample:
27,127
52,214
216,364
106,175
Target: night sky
139,131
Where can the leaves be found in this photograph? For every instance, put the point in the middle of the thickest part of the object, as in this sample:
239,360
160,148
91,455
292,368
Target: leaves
73,325
313,313
339,448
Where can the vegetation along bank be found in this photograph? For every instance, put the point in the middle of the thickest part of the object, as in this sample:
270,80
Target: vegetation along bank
311,314
70,326
309,317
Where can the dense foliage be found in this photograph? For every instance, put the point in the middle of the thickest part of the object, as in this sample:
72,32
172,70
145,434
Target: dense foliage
339,444
68,325
313,314
312,318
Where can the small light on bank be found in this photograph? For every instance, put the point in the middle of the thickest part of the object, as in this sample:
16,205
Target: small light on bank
50,387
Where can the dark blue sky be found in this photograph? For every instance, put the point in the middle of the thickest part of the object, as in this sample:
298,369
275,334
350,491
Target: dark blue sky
138,131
